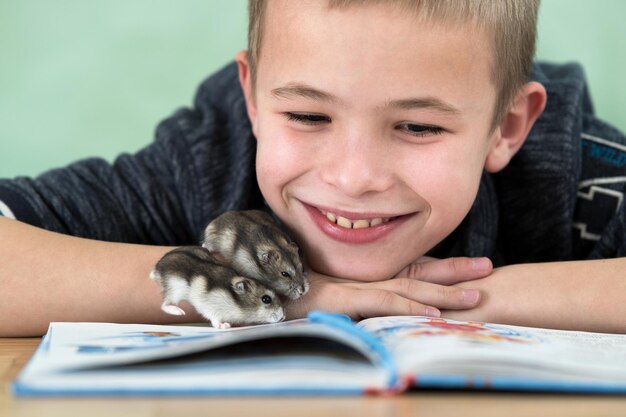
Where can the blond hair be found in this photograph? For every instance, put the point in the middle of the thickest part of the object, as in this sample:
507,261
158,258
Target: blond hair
511,25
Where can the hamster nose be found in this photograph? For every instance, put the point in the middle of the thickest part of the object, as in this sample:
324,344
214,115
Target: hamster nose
299,291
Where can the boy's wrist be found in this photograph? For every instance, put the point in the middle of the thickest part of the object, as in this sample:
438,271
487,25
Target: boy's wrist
578,295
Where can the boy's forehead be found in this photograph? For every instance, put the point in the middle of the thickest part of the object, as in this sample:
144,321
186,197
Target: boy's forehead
342,47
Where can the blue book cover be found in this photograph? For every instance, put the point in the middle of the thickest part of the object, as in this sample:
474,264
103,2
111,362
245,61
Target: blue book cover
327,354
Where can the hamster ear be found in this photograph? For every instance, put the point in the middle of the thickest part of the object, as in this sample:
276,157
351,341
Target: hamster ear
240,285
292,247
267,255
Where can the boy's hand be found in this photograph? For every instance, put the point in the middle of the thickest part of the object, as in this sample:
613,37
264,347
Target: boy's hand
419,290
447,271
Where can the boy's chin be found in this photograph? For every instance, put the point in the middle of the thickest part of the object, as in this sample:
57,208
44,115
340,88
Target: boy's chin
369,270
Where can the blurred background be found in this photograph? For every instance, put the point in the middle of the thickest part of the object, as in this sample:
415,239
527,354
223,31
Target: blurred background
93,78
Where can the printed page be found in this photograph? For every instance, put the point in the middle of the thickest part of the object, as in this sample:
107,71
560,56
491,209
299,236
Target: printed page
82,345
113,358
448,347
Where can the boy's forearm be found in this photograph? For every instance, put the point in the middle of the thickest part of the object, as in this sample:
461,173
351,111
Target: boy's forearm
46,277
579,295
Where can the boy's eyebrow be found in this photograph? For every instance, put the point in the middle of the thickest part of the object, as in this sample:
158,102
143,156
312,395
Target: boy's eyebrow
302,90
292,90
427,102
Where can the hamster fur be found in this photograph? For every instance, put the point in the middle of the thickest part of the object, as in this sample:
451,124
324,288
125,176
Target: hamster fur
256,247
217,292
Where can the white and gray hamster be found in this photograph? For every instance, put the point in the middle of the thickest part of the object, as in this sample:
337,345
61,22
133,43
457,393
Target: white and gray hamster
216,291
255,246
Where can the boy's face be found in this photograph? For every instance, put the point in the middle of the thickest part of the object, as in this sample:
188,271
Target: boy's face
366,114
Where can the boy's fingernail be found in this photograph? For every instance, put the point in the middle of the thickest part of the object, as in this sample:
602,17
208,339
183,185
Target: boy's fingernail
471,296
481,264
433,312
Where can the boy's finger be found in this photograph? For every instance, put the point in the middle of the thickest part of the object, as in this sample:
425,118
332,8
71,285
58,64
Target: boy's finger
449,271
373,303
440,296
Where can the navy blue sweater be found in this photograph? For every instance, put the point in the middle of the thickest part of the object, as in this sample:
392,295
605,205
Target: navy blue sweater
560,198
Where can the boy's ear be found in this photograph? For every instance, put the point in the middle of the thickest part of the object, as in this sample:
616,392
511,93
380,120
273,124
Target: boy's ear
246,85
516,123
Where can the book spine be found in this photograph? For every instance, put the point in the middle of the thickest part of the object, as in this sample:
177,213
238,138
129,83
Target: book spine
375,345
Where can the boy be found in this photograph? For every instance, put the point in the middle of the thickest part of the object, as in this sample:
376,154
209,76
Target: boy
383,131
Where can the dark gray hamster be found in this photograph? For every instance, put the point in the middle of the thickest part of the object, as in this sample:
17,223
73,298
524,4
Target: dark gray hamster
256,247
217,292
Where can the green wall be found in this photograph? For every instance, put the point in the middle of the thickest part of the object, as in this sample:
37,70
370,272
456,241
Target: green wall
93,78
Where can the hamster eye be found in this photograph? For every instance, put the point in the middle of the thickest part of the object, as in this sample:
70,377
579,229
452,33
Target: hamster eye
266,299
285,274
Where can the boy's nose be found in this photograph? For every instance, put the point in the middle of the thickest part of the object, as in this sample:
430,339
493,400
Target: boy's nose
357,167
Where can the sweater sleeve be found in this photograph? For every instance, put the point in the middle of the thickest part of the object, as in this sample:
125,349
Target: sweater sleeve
200,164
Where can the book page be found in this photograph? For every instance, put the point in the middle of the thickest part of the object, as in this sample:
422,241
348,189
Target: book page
82,345
443,346
111,358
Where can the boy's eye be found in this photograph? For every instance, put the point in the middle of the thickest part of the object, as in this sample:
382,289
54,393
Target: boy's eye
419,130
307,118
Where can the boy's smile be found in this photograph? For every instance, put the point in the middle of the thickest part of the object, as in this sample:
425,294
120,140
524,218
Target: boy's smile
354,227
373,127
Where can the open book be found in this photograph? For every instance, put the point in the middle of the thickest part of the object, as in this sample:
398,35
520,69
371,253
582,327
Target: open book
324,354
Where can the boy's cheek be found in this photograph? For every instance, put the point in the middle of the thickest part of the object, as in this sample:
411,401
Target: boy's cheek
280,155
274,162
276,168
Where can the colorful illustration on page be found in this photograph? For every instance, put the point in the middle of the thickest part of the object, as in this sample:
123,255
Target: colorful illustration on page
134,341
470,331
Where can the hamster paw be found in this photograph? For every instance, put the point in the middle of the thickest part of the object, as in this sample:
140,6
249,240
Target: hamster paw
221,326
171,309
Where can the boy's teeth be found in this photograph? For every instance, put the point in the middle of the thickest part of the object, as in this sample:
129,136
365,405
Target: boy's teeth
360,224
376,221
356,224
343,222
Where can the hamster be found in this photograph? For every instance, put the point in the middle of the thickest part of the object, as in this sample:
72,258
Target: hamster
217,292
256,247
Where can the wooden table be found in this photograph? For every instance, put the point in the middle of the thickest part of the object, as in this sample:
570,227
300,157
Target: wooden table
14,353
